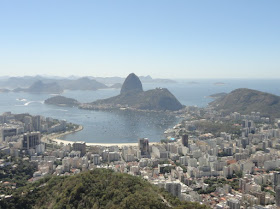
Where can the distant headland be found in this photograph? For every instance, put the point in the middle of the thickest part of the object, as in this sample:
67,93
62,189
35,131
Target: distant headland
245,101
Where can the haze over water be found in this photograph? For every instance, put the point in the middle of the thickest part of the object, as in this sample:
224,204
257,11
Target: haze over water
123,126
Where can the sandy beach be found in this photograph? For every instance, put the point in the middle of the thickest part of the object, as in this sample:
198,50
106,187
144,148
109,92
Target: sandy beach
59,141
54,138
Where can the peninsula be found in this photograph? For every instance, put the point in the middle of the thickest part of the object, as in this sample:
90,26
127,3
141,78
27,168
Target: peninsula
132,96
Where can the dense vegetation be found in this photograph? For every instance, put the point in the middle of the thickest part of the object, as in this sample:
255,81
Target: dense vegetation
217,128
214,183
246,101
15,171
62,101
99,188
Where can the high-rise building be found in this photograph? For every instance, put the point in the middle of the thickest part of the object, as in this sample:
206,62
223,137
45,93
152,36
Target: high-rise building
31,140
233,203
277,190
80,146
261,197
143,145
174,188
96,159
7,131
244,123
276,179
185,140
37,123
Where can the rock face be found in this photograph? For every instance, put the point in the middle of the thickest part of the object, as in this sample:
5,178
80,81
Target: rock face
131,84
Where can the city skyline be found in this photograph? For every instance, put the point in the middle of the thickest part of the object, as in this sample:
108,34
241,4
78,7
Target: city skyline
181,39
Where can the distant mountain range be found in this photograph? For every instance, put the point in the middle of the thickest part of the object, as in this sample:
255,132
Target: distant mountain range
246,101
116,86
40,87
72,82
46,85
143,79
84,83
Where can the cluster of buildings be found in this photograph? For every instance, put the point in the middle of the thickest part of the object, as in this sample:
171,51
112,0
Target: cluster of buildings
228,171
22,132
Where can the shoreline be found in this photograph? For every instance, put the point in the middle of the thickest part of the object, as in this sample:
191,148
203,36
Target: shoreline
53,136
54,139
65,142
116,108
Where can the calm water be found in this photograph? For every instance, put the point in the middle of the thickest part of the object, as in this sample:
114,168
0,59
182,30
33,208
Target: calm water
121,127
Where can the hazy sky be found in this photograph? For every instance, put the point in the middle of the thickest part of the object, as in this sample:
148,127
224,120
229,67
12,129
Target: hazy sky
161,38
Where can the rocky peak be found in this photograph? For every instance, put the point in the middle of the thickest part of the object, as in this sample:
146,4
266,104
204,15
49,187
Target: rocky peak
131,84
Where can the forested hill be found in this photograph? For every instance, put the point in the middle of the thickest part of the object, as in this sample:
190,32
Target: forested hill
246,101
62,101
99,188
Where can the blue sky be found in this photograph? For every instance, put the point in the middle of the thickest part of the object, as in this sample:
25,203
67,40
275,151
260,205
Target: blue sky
161,38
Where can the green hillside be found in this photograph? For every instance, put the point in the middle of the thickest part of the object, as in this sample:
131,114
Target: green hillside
246,101
99,188
62,101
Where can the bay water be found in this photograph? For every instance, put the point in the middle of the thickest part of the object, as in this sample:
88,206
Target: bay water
127,126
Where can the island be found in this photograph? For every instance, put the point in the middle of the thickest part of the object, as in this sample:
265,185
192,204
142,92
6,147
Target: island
4,90
219,84
62,101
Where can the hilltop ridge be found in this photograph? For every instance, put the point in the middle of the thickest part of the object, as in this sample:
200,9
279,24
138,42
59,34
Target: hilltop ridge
99,188
40,87
245,101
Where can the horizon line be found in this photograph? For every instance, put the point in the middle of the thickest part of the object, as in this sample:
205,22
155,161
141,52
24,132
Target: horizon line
190,78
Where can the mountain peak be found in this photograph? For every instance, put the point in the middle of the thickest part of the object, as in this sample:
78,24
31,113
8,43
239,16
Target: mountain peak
132,83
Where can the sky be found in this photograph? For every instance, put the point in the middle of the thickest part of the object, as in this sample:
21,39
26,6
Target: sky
161,38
